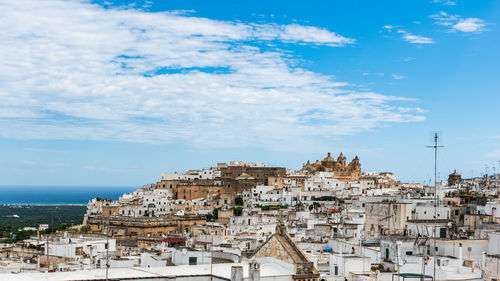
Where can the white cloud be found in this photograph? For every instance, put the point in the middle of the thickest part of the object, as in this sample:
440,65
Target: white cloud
457,23
397,77
311,34
372,74
442,18
469,25
73,70
409,37
415,39
446,2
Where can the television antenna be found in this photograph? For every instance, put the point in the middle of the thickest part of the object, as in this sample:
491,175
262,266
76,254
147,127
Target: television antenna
435,147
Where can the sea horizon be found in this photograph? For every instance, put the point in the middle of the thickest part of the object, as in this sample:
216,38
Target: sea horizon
58,195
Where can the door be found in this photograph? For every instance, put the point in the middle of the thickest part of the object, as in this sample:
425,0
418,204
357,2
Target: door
442,233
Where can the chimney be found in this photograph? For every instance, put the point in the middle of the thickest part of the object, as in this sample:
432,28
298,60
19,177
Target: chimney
254,271
469,251
483,263
237,273
460,258
398,247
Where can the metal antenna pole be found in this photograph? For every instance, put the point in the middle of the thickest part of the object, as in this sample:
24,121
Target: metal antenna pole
107,253
435,146
212,253
47,246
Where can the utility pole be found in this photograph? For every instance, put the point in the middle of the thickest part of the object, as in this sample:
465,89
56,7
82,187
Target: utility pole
435,147
398,247
212,253
423,268
107,253
47,256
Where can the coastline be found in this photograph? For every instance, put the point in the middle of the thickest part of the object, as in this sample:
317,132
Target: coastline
43,204
57,195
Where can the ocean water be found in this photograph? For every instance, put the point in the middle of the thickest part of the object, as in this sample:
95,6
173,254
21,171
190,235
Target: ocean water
46,195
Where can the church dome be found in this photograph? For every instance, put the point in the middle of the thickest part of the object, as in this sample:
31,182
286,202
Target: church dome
329,158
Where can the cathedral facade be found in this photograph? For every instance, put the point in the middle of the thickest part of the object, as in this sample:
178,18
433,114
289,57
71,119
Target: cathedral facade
340,169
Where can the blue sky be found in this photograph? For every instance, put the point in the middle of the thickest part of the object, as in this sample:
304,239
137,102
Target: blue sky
117,92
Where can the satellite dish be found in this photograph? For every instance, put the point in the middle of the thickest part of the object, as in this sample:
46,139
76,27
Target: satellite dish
184,251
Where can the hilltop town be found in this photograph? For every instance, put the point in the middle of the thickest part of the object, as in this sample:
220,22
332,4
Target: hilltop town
247,221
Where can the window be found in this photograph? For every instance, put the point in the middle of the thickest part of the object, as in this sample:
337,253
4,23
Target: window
193,260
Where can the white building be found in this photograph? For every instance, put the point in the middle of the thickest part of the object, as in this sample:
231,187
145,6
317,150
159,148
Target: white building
188,257
74,247
427,212
323,181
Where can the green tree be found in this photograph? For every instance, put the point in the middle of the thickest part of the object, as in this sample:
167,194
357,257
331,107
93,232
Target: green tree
238,201
209,217
237,211
85,228
215,213
314,205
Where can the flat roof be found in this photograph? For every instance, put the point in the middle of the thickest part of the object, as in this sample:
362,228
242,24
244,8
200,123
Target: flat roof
222,270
